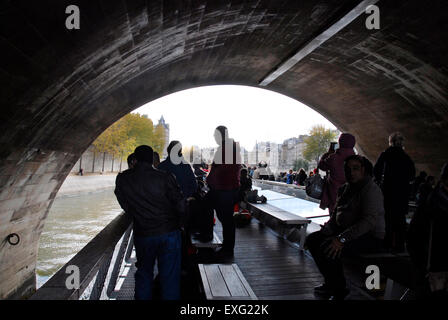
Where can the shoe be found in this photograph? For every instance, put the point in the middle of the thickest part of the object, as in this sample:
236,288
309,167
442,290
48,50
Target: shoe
223,254
323,289
340,295
205,238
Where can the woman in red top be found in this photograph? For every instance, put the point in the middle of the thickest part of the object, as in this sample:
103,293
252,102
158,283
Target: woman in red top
224,182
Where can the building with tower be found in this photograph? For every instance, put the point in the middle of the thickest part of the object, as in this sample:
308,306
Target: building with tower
166,127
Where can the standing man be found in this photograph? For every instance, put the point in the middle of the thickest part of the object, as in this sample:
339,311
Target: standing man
176,164
224,182
154,200
394,171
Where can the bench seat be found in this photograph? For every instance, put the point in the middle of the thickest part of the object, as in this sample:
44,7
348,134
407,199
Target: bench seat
282,215
288,219
225,282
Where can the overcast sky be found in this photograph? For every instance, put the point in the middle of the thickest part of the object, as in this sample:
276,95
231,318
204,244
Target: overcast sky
249,113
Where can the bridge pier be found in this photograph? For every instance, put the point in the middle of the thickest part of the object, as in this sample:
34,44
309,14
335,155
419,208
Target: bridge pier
30,180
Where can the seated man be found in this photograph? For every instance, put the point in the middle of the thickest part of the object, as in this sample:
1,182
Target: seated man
356,225
155,202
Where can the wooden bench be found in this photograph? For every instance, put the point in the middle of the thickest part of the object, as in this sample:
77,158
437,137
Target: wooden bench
225,282
283,216
214,243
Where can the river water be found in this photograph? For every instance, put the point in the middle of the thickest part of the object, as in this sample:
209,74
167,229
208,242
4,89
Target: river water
71,223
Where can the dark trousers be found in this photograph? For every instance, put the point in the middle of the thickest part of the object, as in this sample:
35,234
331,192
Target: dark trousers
166,249
332,269
396,209
223,202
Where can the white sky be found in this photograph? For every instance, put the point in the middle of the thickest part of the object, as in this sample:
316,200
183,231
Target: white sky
249,113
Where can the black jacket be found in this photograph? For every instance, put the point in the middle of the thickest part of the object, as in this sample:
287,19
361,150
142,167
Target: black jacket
435,211
153,198
398,170
183,173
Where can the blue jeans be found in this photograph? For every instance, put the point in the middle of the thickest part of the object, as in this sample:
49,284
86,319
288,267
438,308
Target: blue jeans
166,249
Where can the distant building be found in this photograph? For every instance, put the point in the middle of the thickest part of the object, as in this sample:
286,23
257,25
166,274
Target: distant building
291,150
207,155
166,127
244,155
260,152
275,156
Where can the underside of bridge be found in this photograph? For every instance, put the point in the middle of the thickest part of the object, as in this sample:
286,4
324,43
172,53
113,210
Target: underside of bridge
61,88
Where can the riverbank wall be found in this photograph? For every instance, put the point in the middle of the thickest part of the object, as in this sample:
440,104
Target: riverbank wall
95,163
76,185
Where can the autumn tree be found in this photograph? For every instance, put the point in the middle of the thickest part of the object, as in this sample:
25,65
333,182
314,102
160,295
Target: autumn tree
140,127
126,134
318,142
301,163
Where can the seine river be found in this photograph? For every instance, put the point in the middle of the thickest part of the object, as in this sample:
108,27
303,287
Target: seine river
71,224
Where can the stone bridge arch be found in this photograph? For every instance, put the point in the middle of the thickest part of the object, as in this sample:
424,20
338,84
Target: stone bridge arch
61,88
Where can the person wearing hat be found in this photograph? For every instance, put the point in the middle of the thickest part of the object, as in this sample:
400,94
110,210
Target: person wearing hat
333,163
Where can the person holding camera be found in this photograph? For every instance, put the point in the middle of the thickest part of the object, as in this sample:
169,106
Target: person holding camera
333,163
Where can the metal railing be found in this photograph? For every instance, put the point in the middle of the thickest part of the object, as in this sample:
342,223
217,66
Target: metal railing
279,184
98,263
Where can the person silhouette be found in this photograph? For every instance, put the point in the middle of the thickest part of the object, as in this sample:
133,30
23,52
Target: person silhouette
224,182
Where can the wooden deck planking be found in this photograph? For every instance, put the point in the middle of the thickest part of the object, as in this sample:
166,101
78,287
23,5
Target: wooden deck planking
272,266
274,269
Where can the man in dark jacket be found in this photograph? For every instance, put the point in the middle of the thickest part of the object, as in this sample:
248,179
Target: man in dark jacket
355,226
176,164
154,200
394,170
224,183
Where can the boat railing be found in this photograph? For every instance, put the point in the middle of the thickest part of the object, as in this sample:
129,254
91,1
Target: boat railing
93,272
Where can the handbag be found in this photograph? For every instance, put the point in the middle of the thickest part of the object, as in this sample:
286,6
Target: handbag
253,197
314,186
